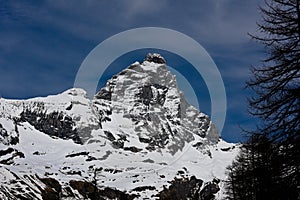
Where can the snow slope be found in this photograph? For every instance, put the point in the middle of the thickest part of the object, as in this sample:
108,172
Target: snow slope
138,132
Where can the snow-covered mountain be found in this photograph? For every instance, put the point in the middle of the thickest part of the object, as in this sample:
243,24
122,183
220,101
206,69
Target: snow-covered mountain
138,138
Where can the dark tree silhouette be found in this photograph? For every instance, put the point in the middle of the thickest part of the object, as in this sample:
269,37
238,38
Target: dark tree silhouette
277,85
253,173
277,82
270,160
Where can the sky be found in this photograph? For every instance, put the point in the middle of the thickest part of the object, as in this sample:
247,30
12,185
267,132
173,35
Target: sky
43,43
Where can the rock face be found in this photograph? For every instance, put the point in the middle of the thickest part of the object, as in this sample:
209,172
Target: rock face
137,138
53,124
182,189
189,188
9,138
148,95
155,58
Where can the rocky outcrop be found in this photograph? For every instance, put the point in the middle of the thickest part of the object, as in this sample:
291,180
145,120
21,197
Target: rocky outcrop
152,94
148,95
11,138
47,188
52,189
91,191
103,94
209,190
8,155
156,58
184,188
189,188
54,124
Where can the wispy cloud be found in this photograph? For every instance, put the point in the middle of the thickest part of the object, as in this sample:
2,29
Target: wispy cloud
43,43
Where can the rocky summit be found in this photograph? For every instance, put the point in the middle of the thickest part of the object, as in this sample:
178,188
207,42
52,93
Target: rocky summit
138,138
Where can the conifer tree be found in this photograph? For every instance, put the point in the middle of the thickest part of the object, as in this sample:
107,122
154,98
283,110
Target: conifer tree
270,160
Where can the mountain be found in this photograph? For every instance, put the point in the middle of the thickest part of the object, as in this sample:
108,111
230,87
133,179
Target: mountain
138,138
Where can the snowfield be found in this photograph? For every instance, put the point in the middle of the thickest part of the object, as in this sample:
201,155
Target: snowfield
137,132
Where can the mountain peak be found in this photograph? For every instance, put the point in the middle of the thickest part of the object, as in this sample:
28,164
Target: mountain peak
156,58
137,130
147,94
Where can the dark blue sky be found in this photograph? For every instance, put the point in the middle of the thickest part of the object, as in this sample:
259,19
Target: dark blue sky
43,43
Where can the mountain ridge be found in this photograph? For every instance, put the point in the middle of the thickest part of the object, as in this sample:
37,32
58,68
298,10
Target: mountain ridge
137,132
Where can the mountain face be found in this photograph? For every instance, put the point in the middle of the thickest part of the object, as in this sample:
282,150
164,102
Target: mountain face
137,138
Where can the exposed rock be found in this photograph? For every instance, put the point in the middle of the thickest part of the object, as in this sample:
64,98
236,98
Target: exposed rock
132,149
198,145
225,149
38,153
156,58
144,140
184,188
54,124
89,190
69,107
104,157
73,172
10,154
143,188
103,94
21,187
109,136
7,151
148,161
159,140
145,94
152,94
190,188
9,138
84,153
52,190
119,143
209,191
148,95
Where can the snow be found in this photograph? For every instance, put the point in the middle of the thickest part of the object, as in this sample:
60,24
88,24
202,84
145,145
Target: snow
150,66
48,156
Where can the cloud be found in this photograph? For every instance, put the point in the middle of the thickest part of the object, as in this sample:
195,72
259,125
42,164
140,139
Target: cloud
43,43
142,8
213,22
216,21
90,20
